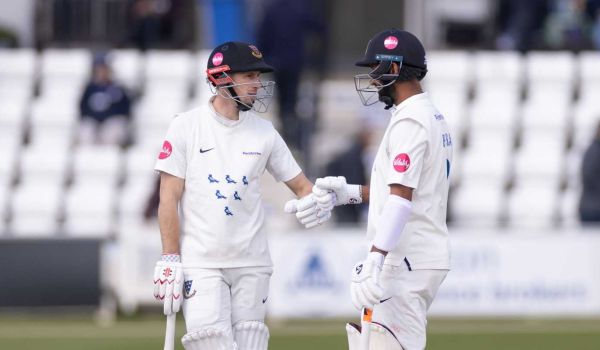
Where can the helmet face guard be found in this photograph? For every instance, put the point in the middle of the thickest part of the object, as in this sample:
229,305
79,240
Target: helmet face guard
377,86
222,84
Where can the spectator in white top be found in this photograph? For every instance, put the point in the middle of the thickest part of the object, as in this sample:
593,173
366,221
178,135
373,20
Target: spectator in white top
210,213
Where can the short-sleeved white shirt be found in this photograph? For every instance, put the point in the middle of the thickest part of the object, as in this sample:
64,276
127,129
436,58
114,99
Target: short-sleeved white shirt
416,151
222,161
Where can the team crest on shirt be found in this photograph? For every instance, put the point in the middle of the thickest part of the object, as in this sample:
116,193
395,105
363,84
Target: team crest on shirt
401,162
187,289
166,150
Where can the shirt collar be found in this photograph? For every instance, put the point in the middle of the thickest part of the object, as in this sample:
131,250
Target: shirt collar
396,108
224,120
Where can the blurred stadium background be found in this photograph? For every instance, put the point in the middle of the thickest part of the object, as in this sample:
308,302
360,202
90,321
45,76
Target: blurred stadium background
519,82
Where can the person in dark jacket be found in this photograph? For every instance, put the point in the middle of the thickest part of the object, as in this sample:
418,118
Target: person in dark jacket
284,35
589,206
105,108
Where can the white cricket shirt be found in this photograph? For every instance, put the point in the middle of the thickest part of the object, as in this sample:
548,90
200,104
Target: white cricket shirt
222,161
416,151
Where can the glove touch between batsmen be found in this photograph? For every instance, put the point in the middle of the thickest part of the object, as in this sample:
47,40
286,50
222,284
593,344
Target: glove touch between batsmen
308,212
343,192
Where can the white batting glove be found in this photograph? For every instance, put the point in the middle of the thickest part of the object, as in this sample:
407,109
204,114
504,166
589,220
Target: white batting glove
307,211
344,193
365,289
168,283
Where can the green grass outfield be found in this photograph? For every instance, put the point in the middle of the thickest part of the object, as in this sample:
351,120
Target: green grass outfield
146,332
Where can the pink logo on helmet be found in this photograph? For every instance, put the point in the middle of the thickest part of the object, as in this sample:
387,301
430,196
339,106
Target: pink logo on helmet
401,162
166,150
217,59
390,42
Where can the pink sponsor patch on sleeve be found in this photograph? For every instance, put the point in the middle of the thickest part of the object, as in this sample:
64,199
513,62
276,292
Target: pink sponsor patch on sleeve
166,150
401,162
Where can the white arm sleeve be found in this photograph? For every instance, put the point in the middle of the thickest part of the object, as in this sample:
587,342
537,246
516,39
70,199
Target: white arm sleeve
394,216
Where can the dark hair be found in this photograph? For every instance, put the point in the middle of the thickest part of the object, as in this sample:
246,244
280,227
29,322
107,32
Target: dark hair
408,73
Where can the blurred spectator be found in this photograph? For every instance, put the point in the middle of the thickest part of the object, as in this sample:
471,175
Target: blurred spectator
589,207
355,163
8,38
593,11
145,24
351,165
567,26
521,22
105,108
283,36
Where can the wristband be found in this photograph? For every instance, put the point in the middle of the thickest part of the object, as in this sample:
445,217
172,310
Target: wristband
354,194
171,258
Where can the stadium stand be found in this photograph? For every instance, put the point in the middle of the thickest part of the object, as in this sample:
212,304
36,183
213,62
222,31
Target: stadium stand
516,121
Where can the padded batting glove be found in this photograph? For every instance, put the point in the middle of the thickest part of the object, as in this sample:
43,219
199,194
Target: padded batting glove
365,289
344,193
168,283
307,211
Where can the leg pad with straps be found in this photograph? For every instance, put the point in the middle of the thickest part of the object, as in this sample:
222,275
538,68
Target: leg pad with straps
251,335
381,338
206,339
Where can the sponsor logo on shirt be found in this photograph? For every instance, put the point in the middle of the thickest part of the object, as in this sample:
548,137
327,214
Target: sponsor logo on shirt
401,162
251,153
390,42
446,140
166,150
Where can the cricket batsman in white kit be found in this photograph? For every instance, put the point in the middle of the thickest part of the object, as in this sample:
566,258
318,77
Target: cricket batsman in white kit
218,269
409,253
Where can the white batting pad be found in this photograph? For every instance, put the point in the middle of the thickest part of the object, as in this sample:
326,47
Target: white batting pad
208,339
381,338
251,335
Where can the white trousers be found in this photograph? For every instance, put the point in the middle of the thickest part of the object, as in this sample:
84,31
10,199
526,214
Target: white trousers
112,131
220,298
410,294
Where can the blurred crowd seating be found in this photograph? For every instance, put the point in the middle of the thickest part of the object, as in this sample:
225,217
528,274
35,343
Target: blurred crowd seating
520,124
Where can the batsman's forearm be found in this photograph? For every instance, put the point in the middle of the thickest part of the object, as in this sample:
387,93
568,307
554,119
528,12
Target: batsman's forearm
365,193
168,222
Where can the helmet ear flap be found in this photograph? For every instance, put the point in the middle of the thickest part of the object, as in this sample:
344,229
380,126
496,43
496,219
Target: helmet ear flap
218,76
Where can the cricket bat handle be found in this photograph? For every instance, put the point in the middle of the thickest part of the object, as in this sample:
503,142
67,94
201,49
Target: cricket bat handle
365,326
170,332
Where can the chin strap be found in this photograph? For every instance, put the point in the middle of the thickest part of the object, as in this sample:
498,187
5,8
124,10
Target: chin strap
385,96
242,107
